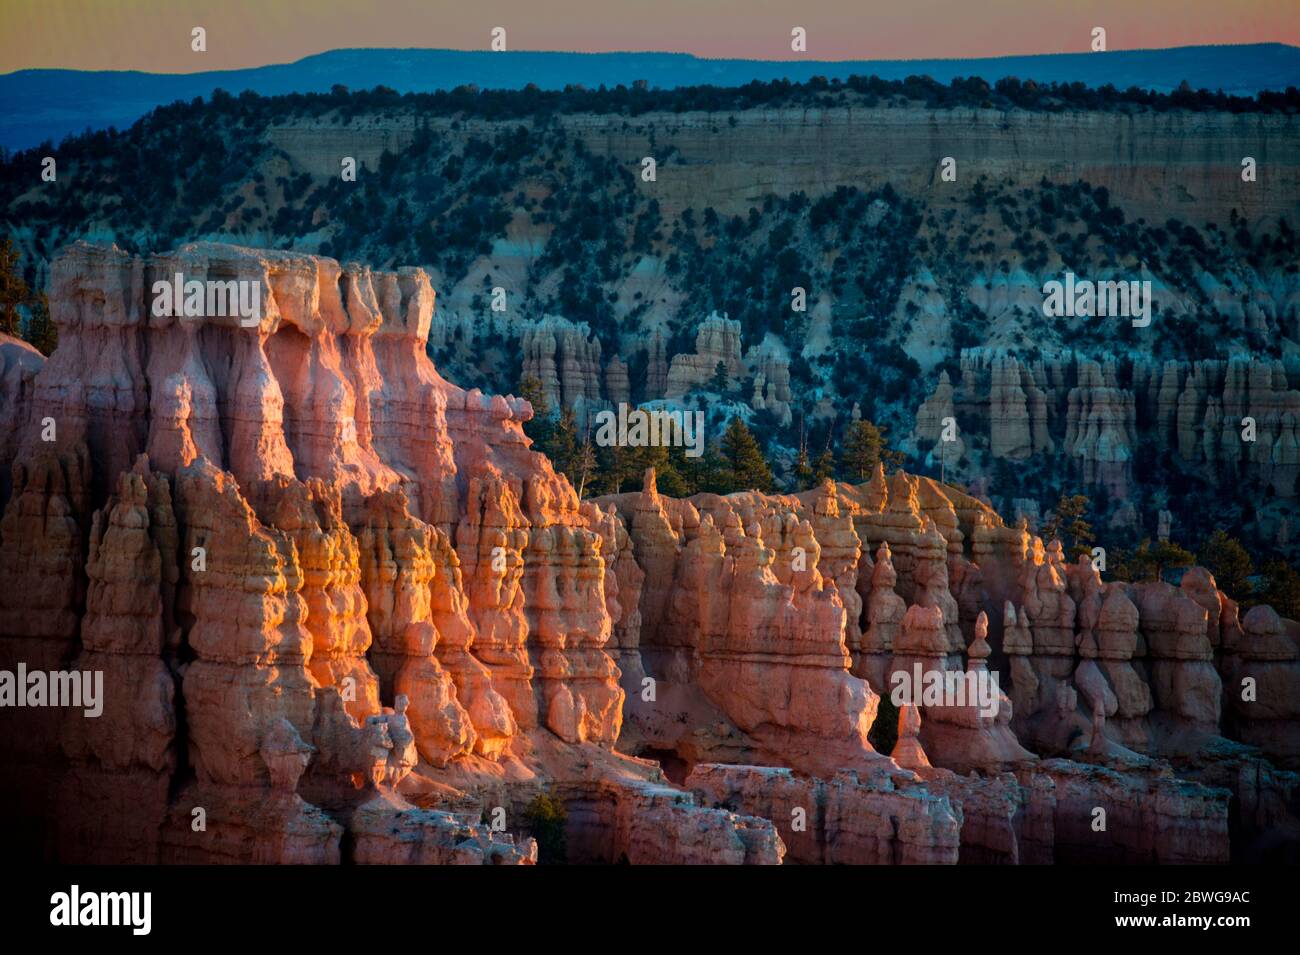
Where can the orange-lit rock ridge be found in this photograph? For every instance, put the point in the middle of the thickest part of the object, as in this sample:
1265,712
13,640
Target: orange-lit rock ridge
330,592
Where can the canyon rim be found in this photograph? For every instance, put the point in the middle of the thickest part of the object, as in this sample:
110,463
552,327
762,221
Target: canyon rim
720,456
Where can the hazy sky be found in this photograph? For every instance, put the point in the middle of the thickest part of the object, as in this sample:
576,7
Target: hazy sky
155,34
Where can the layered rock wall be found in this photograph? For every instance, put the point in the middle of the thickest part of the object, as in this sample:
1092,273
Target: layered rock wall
1224,419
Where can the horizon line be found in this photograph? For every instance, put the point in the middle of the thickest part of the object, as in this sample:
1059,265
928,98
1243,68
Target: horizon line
674,53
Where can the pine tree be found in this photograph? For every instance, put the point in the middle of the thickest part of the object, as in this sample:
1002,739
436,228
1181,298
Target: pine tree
562,445
1134,566
1227,560
743,459
1067,523
538,428
824,469
13,290
584,464
715,476
1168,555
690,470
1150,561
719,382
41,333
545,817
862,446
1282,588
804,475
667,477
803,470
617,469
603,479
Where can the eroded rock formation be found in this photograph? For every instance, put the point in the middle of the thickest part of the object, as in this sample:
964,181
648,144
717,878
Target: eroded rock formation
717,343
564,357
1224,419
328,592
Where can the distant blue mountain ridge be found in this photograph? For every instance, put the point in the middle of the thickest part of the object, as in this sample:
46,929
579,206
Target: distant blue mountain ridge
36,105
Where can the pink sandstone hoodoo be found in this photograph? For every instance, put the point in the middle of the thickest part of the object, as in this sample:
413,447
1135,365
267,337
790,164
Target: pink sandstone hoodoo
343,612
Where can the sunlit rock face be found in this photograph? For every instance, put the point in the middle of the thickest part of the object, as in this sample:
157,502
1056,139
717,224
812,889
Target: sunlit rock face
342,612
1100,686
259,528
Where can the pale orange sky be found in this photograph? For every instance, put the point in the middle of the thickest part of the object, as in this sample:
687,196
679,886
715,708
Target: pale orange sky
154,35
